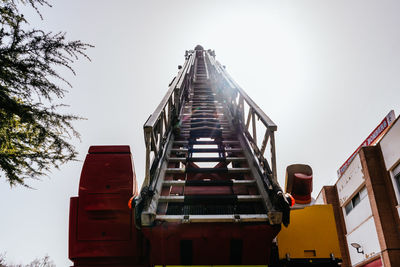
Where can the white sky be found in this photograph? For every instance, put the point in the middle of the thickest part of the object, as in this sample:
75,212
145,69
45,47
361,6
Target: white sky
326,72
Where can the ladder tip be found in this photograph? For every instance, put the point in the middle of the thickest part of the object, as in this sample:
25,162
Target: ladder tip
198,47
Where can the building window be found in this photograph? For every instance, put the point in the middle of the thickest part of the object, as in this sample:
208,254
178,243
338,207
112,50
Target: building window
397,178
356,199
396,175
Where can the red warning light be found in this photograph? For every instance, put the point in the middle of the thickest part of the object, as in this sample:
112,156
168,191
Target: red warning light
292,200
130,202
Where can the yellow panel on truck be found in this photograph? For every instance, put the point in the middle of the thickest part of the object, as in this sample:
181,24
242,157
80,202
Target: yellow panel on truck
310,237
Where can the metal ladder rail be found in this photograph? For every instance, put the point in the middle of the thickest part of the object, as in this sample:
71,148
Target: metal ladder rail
158,133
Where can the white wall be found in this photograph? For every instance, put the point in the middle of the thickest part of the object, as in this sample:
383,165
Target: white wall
396,187
357,215
359,222
320,199
350,181
390,145
367,237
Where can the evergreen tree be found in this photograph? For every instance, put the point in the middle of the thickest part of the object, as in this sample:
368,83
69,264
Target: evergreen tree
34,136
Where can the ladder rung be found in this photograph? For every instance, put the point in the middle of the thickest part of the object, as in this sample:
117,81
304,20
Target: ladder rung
210,106
203,93
215,159
200,111
207,123
201,98
202,107
204,104
214,107
208,159
200,142
201,123
208,182
213,218
206,170
206,150
210,198
196,117
205,128
221,119
210,114
224,135
200,170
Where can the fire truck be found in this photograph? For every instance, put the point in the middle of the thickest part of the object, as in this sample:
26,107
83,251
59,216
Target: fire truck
210,194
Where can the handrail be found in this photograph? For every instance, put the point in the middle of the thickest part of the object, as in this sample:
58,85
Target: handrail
156,114
237,100
260,113
161,122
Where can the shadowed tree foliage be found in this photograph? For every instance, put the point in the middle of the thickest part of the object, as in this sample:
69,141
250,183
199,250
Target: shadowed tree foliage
34,136
42,262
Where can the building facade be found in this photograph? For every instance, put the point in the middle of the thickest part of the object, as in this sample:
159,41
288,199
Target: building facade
366,201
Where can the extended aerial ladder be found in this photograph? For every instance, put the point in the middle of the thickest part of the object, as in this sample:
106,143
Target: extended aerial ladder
207,166
210,194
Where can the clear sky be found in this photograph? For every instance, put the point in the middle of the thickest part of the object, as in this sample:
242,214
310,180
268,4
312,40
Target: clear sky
326,72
